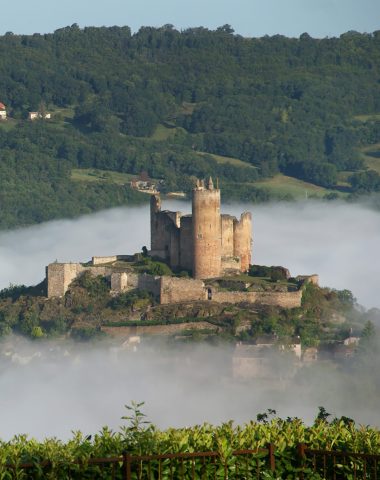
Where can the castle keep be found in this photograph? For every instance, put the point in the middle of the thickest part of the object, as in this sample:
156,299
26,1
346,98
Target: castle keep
214,248
206,243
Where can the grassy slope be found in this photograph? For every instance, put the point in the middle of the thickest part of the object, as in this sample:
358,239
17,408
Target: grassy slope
283,185
371,162
96,175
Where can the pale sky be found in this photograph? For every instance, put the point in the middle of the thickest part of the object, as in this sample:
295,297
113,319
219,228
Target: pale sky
251,18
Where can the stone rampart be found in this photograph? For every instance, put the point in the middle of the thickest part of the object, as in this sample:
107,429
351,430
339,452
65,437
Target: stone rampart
59,276
280,299
110,259
178,290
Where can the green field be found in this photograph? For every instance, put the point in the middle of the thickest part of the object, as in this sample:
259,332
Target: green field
96,175
367,117
233,161
371,162
163,132
282,185
8,124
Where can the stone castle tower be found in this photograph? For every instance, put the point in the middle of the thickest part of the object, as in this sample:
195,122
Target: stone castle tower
207,231
206,243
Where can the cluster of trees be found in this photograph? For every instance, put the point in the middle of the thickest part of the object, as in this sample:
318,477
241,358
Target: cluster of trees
280,104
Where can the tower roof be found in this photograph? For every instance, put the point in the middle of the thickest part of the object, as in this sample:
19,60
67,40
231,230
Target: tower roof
2,106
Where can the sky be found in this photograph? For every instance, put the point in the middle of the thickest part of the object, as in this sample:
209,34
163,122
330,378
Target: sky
251,18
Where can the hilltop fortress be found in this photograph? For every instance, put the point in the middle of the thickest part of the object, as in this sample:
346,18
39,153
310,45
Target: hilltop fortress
206,243
215,249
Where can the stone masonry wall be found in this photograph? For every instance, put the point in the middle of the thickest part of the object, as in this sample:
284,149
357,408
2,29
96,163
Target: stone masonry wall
227,222
206,232
158,329
231,265
59,276
243,240
178,290
186,243
281,299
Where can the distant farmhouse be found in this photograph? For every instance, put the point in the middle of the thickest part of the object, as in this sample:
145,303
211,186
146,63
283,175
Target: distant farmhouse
143,183
3,112
214,248
39,116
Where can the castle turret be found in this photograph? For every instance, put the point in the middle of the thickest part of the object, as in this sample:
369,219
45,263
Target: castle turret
206,231
155,208
243,240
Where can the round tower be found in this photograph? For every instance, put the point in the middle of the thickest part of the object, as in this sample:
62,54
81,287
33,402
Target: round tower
206,230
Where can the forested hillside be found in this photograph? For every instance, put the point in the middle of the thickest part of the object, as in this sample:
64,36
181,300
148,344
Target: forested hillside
176,104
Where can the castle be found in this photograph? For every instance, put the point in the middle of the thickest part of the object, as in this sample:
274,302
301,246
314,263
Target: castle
211,246
206,243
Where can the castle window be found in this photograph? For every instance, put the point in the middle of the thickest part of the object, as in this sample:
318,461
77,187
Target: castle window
209,294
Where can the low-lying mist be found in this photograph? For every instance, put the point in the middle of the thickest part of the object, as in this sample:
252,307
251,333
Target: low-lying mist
339,241
49,388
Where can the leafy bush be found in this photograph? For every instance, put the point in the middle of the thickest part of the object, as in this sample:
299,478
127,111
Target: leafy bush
96,286
134,298
139,437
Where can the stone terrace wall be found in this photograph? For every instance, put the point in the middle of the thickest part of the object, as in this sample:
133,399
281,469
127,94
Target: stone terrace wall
178,290
158,329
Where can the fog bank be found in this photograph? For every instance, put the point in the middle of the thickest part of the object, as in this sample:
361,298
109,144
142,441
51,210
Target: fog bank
50,389
66,387
339,241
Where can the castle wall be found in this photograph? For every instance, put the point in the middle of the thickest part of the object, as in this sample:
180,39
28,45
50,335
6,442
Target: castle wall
231,265
59,276
186,243
178,290
206,232
174,248
119,282
314,279
164,230
243,240
280,299
110,259
227,226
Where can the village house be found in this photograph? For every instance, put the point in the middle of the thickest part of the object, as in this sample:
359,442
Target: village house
39,116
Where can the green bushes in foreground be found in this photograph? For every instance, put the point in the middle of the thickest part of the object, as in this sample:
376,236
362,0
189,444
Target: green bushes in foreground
140,437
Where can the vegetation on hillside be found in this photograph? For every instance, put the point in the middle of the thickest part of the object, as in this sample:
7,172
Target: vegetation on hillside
326,315
181,104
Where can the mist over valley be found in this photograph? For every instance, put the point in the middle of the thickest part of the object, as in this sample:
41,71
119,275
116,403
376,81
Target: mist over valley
53,387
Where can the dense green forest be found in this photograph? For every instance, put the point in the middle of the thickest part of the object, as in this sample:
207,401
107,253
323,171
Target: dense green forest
182,104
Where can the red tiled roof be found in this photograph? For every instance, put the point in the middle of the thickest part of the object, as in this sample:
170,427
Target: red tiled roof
2,106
